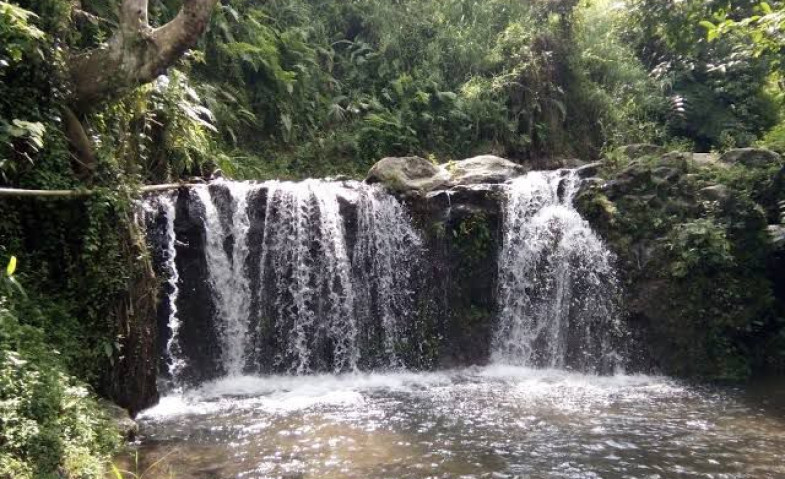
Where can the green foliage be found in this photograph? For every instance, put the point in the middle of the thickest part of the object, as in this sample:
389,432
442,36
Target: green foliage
700,246
27,111
324,88
774,139
473,240
629,103
162,132
695,266
17,32
50,425
765,29
74,254
718,91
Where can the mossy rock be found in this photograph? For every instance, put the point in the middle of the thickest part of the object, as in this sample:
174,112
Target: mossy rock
638,150
409,174
751,157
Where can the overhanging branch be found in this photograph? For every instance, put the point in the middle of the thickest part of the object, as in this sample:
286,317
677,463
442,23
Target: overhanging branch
137,53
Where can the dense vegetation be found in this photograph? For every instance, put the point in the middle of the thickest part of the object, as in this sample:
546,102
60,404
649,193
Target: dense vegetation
694,253
317,87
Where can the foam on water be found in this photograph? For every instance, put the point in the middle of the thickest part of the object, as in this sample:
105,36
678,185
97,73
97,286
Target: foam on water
289,393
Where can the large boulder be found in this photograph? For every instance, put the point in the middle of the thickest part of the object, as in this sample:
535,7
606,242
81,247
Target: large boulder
485,169
751,157
715,193
707,159
415,175
121,419
409,174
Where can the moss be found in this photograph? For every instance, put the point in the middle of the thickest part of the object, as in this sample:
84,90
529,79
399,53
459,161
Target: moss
473,246
473,239
695,269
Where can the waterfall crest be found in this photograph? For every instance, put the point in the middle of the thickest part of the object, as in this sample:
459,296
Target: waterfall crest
557,285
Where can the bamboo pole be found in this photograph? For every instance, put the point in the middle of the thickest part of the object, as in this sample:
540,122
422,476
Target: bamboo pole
17,192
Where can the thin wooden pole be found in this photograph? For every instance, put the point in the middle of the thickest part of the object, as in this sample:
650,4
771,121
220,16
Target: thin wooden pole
17,192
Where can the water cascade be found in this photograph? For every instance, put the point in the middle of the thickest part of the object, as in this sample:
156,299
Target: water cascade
226,252
324,276
557,286
306,276
385,256
163,208
175,363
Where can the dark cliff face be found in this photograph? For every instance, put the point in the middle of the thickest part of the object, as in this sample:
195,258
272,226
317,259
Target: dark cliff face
461,228
199,339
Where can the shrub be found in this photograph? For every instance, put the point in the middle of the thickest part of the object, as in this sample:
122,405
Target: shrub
50,424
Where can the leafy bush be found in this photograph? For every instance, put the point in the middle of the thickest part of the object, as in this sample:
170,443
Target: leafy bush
719,91
695,266
321,87
50,425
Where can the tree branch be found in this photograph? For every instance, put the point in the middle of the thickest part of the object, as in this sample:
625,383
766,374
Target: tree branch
136,54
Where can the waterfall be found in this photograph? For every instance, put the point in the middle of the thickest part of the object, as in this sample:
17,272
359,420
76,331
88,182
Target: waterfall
557,285
155,208
306,278
226,252
329,276
385,256
175,361
303,277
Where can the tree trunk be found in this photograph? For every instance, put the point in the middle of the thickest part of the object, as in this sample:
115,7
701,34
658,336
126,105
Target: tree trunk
136,54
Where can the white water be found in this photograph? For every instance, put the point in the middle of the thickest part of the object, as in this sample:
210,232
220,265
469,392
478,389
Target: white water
557,287
175,361
305,259
227,273
294,393
386,254
165,204
496,422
